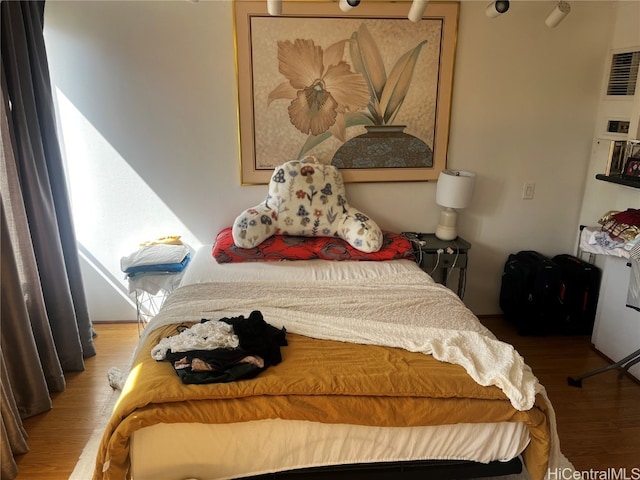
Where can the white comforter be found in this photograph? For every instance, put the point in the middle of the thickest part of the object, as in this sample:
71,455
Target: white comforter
400,310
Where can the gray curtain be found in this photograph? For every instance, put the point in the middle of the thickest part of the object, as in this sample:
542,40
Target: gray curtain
45,328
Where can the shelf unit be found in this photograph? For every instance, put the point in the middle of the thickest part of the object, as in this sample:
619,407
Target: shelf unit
620,180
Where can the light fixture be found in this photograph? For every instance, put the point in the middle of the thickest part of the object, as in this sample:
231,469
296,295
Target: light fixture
417,10
454,190
558,13
346,5
497,8
274,7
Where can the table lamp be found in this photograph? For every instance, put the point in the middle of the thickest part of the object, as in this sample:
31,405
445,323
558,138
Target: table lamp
454,191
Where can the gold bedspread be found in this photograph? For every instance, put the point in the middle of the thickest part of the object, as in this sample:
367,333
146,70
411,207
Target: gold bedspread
318,380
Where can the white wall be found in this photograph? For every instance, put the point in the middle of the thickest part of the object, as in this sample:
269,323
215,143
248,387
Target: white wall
151,90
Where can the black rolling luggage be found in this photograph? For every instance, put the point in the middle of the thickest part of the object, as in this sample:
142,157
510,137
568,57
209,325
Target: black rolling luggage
529,293
579,288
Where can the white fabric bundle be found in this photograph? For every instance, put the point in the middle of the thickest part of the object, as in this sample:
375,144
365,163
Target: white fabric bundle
154,255
201,336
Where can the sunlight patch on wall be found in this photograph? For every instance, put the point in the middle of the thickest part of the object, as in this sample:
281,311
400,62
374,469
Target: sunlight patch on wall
113,208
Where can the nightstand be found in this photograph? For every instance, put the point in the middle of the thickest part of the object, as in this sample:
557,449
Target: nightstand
440,257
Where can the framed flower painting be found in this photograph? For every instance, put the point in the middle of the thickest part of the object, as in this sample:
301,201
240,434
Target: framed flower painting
366,90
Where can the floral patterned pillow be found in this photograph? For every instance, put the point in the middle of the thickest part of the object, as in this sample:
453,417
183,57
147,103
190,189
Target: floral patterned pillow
306,199
290,248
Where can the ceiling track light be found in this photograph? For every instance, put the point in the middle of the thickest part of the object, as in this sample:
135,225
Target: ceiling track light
274,7
558,13
497,8
346,5
417,10
418,7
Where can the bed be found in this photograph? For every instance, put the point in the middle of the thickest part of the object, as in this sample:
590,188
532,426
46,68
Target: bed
346,322
370,366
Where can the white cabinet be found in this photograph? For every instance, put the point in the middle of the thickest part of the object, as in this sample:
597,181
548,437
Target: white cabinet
616,332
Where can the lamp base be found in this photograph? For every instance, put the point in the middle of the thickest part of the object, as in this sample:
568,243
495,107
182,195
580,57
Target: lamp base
446,229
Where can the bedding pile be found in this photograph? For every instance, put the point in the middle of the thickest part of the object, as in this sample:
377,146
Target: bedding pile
156,265
156,258
367,313
404,310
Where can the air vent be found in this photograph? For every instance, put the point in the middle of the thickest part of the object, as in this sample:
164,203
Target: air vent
623,74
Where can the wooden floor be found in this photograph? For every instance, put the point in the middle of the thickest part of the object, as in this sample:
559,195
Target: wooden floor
56,438
599,424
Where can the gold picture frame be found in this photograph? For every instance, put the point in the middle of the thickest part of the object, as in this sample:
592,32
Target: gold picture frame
318,81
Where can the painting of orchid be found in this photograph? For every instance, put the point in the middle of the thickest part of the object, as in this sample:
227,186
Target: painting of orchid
314,78
321,86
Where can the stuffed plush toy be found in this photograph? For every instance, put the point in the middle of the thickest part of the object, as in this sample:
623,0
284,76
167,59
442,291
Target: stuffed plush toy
307,199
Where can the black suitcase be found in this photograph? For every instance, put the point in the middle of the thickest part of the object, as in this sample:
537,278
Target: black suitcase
529,293
579,289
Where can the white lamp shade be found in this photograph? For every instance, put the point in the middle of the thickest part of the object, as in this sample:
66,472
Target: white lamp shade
455,188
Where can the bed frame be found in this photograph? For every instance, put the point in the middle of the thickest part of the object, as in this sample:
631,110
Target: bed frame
437,469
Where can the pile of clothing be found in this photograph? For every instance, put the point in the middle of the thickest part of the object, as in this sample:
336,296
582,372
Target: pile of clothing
224,350
622,230
619,229
163,256
619,236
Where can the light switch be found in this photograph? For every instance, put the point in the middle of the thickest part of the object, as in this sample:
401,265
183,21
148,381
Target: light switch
528,191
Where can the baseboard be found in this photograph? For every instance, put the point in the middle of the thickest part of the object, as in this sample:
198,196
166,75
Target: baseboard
111,322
